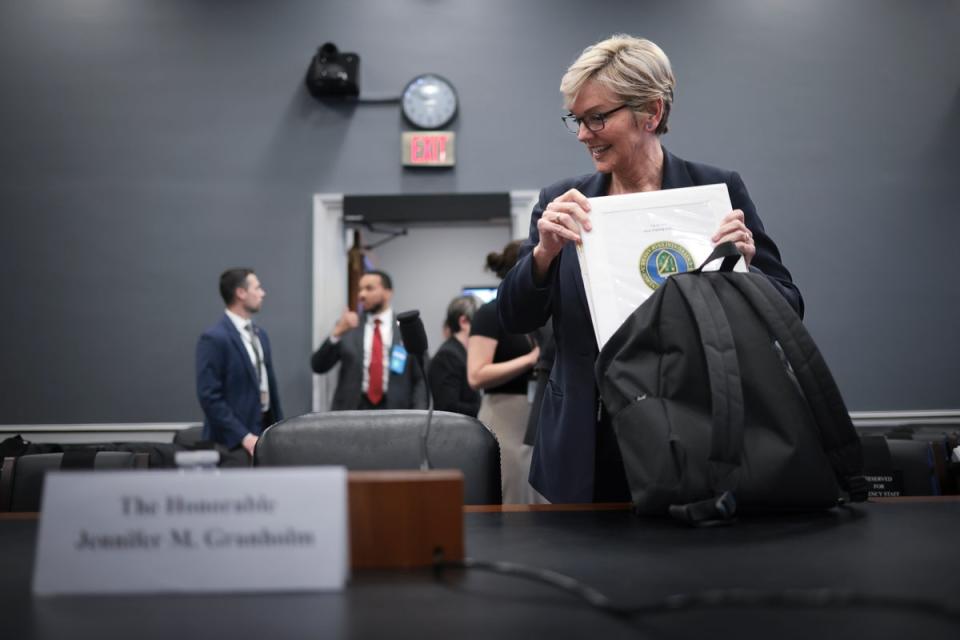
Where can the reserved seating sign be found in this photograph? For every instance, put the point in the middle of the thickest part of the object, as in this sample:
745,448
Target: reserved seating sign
230,530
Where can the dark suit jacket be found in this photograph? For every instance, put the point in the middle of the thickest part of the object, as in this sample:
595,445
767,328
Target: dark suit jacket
448,380
404,391
227,385
563,467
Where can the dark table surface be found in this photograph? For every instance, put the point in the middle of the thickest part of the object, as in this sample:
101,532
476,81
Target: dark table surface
893,549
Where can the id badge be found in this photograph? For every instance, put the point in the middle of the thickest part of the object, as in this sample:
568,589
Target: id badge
398,359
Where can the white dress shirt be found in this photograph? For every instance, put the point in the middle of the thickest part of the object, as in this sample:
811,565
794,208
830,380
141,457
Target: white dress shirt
253,348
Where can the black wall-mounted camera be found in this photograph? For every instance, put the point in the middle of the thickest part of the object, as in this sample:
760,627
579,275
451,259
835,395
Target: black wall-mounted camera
333,74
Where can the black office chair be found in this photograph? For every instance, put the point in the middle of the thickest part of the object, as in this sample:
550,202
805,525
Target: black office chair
909,461
388,440
21,478
191,438
943,442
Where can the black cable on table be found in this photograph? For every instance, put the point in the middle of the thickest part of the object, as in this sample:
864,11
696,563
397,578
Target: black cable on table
712,599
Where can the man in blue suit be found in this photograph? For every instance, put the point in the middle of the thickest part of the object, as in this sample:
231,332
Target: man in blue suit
236,385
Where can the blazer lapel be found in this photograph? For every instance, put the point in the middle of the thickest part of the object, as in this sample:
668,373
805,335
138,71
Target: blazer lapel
675,174
237,341
356,336
596,185
356,344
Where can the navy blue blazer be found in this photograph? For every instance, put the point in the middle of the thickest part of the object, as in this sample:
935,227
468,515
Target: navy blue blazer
563,458
227,385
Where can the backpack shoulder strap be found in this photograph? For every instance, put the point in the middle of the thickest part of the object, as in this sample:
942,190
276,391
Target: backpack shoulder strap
723,369
840,440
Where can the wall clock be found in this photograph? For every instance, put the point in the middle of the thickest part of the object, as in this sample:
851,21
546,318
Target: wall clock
429,101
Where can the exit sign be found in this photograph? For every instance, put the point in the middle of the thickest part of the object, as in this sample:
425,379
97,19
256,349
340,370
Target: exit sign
428,149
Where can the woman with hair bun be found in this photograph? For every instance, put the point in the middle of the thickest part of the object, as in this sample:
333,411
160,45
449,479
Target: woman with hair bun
501,363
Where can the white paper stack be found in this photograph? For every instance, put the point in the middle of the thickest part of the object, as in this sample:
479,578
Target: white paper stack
640,239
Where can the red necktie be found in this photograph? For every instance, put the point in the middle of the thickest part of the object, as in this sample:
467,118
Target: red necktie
375,388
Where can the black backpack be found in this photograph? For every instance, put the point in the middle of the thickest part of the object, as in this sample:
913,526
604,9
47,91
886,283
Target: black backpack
720,400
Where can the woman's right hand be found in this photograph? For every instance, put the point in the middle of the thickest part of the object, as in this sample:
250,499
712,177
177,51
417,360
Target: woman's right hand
533,356
483,372
561,222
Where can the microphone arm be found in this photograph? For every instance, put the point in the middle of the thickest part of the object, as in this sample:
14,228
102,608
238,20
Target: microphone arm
415,341
424,455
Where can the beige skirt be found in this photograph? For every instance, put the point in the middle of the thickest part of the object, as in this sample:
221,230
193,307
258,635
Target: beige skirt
506,414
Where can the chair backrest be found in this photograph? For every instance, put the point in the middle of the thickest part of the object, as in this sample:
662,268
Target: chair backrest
388,440
189,437
915,458
21,478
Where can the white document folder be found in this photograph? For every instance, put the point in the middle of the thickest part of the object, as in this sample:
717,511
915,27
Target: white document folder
640,239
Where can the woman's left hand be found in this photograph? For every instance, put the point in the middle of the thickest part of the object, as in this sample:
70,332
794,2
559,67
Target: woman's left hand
734,229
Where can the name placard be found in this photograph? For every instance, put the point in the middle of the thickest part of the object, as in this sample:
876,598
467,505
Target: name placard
224,530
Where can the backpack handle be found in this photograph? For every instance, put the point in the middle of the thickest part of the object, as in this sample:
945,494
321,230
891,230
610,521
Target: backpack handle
726,250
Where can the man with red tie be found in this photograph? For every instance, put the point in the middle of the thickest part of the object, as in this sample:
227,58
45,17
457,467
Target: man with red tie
375,372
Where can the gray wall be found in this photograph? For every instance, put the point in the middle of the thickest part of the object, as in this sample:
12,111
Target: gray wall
147,144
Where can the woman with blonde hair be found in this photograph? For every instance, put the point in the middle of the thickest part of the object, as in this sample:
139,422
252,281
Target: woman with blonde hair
619,94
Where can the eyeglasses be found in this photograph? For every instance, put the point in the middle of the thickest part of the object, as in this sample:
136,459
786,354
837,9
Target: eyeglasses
594,121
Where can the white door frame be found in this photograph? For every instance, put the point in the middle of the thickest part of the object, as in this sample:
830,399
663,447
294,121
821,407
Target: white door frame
329,277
